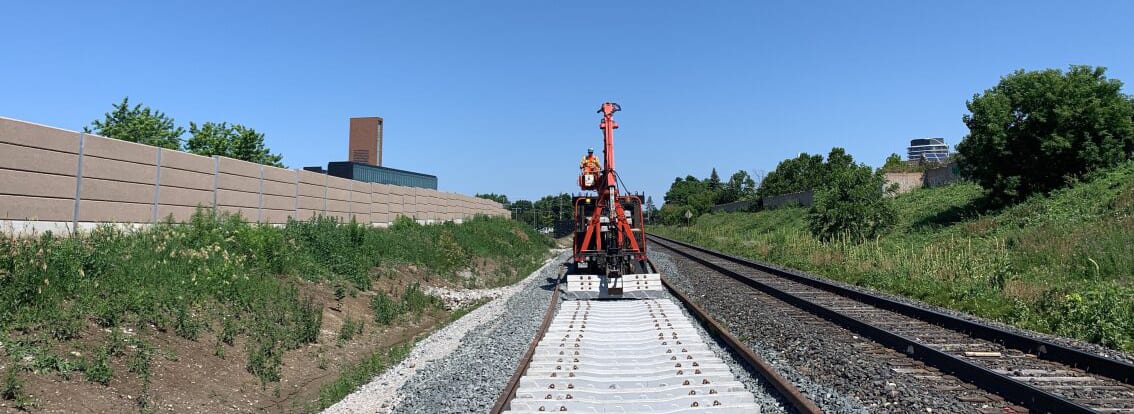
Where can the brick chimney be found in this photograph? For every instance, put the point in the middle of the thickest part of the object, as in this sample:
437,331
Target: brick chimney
366,140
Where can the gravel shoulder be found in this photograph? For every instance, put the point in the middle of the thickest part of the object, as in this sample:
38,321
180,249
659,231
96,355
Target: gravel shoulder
464,366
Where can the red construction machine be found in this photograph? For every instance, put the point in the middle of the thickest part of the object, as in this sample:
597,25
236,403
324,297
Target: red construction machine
610,236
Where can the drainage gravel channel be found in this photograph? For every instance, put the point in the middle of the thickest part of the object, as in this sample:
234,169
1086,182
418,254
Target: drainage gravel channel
836,368
463,366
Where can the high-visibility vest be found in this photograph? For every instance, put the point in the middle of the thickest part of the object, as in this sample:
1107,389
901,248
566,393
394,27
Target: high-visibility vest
589,161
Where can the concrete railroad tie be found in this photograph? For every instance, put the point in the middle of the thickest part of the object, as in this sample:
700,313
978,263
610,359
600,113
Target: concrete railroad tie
632,356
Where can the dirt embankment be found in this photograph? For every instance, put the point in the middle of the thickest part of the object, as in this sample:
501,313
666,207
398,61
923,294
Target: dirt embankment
208,376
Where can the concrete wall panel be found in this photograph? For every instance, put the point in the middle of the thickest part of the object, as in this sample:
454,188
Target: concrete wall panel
116,149
307,214
311,203
13,207
38,136
311,177
277,216
185,197
230,198
180,213
39,160
338,182
106,190
338,206
238,167
115,170
279,202
338,194
25,183
114,212
185,179
280,189
186,161
311,190
282,175
233,182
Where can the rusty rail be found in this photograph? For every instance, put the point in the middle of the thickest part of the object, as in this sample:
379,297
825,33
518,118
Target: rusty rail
787,390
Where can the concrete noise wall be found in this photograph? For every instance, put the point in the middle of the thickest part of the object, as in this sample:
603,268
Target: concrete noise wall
55,179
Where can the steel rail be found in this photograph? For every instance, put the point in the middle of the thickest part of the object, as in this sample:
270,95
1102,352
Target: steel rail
1016,391
790,393
1042,349
504,401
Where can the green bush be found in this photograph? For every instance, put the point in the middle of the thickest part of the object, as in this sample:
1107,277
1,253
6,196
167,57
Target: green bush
851,205
99,370
1037,131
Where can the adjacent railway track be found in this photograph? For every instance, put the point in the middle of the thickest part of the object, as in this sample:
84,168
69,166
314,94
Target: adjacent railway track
635,355
1040,375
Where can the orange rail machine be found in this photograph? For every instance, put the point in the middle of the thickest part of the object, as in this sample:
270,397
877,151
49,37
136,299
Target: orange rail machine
610,236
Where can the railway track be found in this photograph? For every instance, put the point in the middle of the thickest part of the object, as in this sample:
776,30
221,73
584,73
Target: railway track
1040,375
636,355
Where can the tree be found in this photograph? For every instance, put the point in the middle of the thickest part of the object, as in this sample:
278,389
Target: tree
691,193
793,175
138,124
499,198
235,141
740,186
851,204
650,210
1035,131
714,182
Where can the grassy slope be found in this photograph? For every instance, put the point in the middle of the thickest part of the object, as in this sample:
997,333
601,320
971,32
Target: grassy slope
224,277
1060,264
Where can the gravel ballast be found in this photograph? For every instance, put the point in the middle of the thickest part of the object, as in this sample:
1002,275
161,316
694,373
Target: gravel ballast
464,366
839,370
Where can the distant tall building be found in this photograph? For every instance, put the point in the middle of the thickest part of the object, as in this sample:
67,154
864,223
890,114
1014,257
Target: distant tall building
928,149
366,140
364,159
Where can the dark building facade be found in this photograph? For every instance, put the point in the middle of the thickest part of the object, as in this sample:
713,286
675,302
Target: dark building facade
382,175
928,149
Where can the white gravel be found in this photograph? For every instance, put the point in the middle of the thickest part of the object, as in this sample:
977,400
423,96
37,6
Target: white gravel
459,298
381,394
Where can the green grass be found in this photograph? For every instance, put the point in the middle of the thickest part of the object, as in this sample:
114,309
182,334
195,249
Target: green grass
361,373
230,278
1061,263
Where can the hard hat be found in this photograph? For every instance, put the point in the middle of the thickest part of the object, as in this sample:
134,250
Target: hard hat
590,150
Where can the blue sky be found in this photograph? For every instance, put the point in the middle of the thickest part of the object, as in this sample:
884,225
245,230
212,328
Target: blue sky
501,96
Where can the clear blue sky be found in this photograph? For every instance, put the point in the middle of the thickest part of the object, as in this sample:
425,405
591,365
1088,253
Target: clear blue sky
501,96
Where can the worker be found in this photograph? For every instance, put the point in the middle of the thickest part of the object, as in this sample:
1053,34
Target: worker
590,163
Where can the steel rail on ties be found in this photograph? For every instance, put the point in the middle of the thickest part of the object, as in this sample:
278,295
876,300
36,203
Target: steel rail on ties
1016,391
790,393
1047,350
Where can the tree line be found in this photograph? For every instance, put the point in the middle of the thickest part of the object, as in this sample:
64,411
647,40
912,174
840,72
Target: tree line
144,125
551,209
1032,133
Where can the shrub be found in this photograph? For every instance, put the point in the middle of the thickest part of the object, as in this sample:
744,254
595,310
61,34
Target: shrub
386,309
851,205
1035,131
99,369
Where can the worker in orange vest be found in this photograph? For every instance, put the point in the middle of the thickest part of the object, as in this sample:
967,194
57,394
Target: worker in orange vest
590,163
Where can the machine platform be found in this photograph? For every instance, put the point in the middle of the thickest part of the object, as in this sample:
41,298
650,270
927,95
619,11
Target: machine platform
632,286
